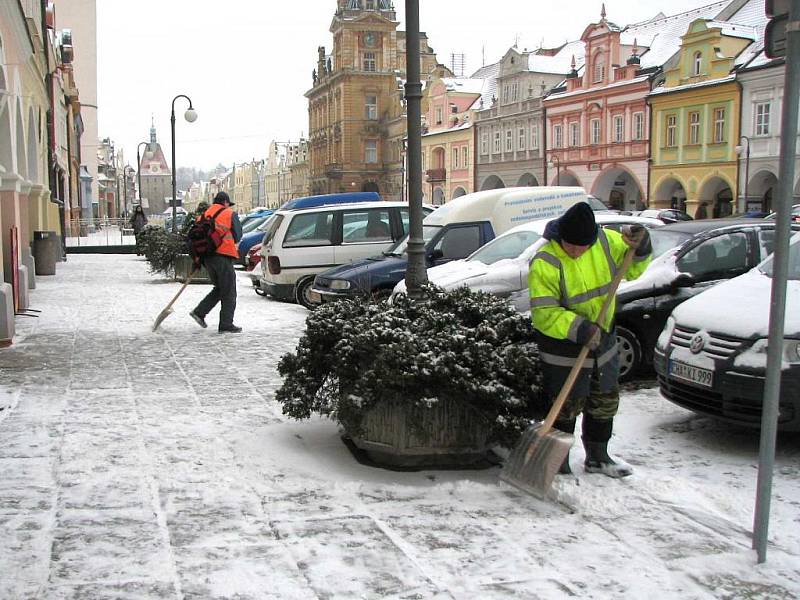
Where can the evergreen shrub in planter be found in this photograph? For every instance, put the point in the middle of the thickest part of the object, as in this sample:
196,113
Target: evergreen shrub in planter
166,251
452,373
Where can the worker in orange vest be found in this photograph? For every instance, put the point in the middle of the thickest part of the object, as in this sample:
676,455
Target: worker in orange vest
220,266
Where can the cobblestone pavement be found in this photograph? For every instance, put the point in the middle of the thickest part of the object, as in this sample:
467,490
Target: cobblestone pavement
145,465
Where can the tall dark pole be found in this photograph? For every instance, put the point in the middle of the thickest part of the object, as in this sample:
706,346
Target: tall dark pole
139,170
416,274
190,116
780,275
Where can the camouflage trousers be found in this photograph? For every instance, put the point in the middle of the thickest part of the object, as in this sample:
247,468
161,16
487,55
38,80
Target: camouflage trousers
596,390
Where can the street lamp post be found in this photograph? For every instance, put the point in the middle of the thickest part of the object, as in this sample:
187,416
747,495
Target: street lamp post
139,169
746,150
191,116
557,165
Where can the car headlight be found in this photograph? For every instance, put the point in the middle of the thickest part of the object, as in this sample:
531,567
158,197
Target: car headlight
340,284
666,334
791,349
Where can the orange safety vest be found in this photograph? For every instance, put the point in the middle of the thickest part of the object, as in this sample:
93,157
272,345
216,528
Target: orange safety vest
223,219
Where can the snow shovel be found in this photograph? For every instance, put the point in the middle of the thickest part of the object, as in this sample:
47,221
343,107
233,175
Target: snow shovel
535,460
168,309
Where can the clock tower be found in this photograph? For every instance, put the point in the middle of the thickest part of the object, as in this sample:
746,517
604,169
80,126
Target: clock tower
156,177
355,104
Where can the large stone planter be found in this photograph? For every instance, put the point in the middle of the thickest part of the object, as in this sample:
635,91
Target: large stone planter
183,266
446,434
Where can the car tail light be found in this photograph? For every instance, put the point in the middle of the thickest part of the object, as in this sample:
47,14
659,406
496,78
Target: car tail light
274,265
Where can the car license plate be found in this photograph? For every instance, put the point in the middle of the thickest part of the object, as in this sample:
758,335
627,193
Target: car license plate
679,370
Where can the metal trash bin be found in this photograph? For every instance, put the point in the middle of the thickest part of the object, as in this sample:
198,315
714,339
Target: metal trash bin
45,251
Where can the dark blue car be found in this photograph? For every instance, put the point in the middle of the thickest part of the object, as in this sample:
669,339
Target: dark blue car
378,275
252,233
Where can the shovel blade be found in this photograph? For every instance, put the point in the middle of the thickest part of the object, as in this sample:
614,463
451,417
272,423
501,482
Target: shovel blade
535,460
161,316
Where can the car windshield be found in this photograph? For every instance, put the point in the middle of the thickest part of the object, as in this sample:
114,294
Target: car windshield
266,223
253,223
428,233
767,266
596,203
665,240
508,246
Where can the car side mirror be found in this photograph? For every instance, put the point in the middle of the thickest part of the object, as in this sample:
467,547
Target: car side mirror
437,255
683,280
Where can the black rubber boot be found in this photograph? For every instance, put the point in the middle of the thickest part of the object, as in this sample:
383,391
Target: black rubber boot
566,427
596,434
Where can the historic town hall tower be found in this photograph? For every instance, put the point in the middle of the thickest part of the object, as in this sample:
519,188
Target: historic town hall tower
355,109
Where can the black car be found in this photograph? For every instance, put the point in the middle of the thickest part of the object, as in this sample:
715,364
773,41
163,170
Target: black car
667,215
690,257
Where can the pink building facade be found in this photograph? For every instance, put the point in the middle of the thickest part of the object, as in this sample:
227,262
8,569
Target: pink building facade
598,122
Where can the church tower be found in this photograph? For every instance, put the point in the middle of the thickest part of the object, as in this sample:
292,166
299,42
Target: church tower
355,103
156,177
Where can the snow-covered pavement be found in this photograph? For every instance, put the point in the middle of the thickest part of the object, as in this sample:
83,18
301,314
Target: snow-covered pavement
145,465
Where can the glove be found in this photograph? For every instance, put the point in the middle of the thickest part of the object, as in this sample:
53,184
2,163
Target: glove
588,334
637,237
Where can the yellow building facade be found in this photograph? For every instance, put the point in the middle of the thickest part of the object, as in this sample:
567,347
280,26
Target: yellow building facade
696,121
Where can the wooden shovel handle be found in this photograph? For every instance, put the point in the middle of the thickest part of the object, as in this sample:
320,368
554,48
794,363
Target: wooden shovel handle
183,287
576,368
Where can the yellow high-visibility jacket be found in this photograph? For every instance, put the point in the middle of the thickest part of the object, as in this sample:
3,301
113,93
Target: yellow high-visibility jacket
566,291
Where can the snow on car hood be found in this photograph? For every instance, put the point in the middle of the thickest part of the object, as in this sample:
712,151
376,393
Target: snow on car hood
740,307
456,272
661,272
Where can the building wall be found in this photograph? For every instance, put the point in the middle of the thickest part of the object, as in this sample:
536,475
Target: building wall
759,87
81,17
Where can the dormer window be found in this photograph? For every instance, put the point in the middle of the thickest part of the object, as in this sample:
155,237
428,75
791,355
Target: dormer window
697,63
599,71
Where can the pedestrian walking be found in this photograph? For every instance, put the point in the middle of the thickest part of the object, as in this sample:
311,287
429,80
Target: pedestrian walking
138,222
220,266
568,281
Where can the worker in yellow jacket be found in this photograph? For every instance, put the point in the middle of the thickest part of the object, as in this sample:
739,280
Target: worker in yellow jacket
569,279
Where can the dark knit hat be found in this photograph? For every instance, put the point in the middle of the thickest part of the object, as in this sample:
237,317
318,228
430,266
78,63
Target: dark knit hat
577,225
221,198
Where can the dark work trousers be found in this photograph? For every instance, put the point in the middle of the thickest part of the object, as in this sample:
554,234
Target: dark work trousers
223,277
595,393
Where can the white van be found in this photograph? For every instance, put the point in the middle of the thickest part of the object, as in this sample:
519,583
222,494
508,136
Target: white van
300,243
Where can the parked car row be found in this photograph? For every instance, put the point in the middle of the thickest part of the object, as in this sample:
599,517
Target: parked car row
319,251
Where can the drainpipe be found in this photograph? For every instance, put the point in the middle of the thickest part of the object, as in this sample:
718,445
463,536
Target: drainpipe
543,147
649,116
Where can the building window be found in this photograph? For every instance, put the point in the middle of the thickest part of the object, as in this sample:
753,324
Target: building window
599,70
371,104
595,125
484,142
371,151
439,115
762,113
509,141
521,139
369,62
574,134
505,93
638,126
619,129
497,142
514,91
558,137
698,63
464,157
672,124
719,125
455,158
535,137
694,127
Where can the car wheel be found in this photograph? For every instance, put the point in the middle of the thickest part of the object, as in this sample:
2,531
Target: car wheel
381,294
630,353
302,293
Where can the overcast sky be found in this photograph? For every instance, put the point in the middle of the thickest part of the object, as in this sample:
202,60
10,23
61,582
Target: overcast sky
247,63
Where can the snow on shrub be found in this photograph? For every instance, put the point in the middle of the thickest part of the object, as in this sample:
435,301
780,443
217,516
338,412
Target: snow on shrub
459,345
